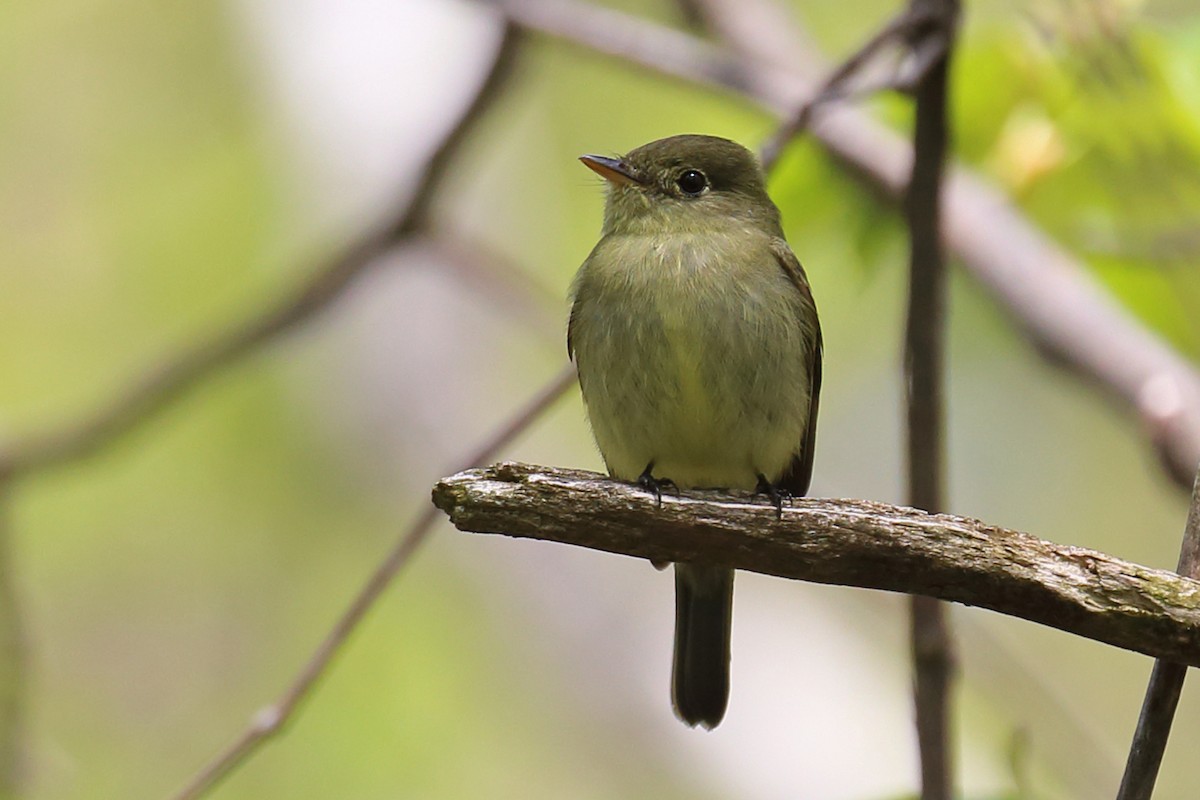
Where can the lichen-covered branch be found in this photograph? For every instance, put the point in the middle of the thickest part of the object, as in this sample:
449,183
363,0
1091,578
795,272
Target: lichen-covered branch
846,542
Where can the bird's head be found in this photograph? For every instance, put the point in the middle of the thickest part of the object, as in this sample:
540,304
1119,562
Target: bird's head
688,183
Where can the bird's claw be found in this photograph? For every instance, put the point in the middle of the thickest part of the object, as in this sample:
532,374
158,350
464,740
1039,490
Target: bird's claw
655,485
776,495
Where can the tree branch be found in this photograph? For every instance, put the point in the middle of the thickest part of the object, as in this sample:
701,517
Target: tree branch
837,85
1049,295
160,385
924,373
1164,688
270,720
845,542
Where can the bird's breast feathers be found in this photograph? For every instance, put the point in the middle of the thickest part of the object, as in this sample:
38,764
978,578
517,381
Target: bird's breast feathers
692,354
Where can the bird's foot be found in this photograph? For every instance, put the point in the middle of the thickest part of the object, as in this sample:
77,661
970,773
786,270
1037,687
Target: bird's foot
655,485
776,495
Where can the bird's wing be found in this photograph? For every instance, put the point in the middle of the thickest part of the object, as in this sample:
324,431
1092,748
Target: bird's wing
798,475
576,305
571,329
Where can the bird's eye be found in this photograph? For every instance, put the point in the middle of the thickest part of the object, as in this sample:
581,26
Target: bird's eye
692,182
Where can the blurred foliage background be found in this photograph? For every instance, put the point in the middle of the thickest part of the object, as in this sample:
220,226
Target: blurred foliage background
167,169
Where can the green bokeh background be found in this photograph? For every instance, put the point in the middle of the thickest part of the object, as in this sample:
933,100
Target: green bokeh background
152,192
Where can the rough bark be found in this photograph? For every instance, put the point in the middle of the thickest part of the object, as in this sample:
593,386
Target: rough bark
847,542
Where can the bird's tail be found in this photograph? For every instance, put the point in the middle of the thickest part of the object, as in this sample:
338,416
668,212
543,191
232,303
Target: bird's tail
703,620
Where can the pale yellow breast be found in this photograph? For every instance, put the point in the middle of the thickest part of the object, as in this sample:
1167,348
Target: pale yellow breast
692,356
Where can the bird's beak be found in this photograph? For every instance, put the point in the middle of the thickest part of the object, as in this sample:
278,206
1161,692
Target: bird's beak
613,170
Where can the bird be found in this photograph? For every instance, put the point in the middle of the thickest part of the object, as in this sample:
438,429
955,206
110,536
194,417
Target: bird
698,350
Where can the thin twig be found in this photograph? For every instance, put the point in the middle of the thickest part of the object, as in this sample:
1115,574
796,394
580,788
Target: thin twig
1165,686
924,374
835,86
269,721
159,386
319,292
845,542
1049,295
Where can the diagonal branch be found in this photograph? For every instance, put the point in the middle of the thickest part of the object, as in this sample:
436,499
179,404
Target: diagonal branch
837,85
845,542
1049,295
1165,686
270,721
161,385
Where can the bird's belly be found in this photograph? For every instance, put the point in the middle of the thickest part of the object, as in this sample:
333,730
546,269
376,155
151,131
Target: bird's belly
712,389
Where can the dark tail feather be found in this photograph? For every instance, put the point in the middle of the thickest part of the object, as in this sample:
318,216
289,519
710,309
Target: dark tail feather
703,618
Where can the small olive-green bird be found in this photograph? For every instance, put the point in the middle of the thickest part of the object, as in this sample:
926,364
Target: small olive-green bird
698,348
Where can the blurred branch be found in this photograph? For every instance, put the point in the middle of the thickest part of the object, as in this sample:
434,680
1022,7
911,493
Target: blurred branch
924,373
323,288
505,283
1165,686
269,721
844,542
1049,295
632,40
162,384
837,85
12,660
